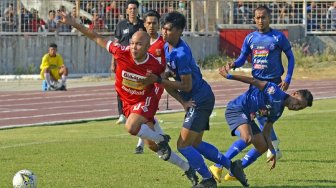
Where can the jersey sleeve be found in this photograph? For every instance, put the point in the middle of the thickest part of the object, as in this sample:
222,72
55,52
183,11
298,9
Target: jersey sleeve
284,43
44,63
246,50
116,49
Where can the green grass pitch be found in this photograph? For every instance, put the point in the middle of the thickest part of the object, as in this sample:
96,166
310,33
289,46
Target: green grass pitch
100,153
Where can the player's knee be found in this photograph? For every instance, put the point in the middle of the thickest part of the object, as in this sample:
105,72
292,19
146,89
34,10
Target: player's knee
133,130
247,139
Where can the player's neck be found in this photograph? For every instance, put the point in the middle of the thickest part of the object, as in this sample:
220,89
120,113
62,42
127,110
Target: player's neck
265,30
174,43
141,59
133,20
154,36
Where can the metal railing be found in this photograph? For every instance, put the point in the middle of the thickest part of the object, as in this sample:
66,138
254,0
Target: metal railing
203,16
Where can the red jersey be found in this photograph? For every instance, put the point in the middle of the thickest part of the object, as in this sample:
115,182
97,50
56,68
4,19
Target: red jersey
157,50
129,72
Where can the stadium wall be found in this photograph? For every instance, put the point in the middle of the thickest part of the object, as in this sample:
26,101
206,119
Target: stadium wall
22,54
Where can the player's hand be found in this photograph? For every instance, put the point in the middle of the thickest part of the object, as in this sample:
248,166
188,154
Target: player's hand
66,19
223,71
273,160
284,86
188,104
229,66
150,79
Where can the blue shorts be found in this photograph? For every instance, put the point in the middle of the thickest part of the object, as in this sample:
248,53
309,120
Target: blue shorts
197,119
236,117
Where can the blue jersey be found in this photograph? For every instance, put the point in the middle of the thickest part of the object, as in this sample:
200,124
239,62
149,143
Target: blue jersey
269,102
181,62
266,51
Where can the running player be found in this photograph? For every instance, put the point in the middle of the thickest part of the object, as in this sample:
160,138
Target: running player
190,86
264,99
140,102
151,23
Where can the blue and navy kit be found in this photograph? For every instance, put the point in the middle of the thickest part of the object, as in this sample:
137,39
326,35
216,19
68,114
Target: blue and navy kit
266,49
181,62
269,102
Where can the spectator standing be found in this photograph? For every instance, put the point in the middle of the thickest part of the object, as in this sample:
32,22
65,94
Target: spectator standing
97,23
51,25
331,15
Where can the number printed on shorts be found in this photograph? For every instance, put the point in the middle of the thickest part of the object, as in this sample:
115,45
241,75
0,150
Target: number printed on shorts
144,106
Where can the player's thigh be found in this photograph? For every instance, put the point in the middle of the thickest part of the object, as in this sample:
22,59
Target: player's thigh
237,122
63,70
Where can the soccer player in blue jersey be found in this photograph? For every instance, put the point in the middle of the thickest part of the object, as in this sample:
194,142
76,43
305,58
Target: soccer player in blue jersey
266,45
189,84
264,98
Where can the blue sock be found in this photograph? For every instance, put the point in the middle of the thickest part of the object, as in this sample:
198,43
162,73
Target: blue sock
234,149
196,161
261,122
250,157
211,153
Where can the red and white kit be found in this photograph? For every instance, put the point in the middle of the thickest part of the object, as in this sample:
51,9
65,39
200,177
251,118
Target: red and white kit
135,96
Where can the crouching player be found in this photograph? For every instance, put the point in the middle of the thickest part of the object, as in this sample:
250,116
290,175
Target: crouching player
264,99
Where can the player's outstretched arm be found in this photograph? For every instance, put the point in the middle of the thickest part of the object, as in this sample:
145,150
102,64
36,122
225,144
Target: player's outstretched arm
245,79
267,135
67,19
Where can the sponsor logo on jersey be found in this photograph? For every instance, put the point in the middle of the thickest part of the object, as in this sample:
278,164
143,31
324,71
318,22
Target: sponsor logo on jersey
132,91
271,90
259,66
131,80
131,76
260,53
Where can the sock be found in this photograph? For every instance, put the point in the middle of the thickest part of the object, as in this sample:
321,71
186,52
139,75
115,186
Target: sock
196,161
157,127
141,143
234,149
47,78
176,160
147,133
211,153
250,157
64,80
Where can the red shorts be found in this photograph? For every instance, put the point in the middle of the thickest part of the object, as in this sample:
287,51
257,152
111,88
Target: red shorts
146,108
158,90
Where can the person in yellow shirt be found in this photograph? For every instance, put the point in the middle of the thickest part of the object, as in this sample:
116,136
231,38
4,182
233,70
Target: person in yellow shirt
53,69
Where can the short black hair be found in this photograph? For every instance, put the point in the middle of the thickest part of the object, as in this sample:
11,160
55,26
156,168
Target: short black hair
265,8
151,13
135,2
175,18
53,45
307,95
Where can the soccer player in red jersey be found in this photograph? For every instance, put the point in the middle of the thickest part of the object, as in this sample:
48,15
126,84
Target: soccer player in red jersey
151,23
140,102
